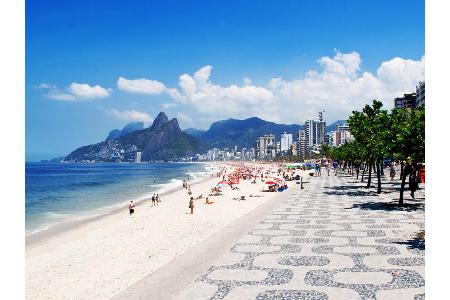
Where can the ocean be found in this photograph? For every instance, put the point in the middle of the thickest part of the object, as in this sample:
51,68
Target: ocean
58,192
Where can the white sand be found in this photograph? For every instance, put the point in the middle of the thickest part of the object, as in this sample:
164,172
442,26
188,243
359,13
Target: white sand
100,258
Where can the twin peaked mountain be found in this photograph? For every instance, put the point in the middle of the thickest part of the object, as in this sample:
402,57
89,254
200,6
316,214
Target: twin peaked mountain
164,140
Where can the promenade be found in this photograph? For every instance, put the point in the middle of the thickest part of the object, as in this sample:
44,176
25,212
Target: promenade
335,239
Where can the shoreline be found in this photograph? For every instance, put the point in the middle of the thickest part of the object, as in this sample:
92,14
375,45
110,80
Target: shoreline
56,229
101,258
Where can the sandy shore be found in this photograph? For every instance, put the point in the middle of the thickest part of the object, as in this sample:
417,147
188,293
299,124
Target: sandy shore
100,258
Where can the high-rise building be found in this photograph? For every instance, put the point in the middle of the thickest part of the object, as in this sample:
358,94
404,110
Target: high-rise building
294,149
407,101
341,135
266,146
285,141
420,94
301,143
314,133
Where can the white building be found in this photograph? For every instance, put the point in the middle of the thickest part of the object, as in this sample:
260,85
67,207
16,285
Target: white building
266,146
314,133
285,141
138,156
341,135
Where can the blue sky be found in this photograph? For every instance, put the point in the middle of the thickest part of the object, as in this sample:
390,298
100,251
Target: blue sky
279,60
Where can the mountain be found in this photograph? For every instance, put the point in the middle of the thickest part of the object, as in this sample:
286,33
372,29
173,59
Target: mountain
194,132
243,133
164,140
332,126
130,127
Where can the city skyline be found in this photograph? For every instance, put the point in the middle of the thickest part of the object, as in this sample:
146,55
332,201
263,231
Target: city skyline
94,67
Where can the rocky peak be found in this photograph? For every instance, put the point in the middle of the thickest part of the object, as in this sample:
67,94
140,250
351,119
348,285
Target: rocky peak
160,120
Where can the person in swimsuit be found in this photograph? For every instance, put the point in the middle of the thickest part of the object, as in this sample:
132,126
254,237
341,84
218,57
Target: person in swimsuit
191,205
131,208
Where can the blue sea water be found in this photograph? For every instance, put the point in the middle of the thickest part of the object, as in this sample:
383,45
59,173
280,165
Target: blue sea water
56,192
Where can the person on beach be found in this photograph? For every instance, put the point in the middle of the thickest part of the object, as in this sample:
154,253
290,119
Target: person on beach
158,200
131,207
153,200
335,167
191,205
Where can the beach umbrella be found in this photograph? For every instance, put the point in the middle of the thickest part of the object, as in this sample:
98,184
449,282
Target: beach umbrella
270,182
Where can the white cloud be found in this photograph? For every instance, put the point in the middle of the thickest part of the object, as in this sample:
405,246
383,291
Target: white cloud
217,100
45,86
75,92
398,73
342,64
83,90
338,87
131,115
185,118
169,105
141,86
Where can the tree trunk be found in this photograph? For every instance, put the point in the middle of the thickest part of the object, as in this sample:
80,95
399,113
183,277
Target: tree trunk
402,185
364,172
369,180
378,177
402,166
357,171
382,167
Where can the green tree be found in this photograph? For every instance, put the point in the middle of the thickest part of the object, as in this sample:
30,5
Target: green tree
369,127
408,140
325,151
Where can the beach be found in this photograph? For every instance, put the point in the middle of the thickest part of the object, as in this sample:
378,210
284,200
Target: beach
101,257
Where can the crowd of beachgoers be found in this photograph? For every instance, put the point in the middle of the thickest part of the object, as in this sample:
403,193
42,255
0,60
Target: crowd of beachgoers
99,258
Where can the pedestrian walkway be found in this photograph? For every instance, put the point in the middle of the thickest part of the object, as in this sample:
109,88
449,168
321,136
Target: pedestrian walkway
333,240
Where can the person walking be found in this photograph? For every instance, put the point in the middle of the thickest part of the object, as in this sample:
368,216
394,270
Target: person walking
412,180
153,200
158,200
317,169
131,207
335,168
191,205
392,171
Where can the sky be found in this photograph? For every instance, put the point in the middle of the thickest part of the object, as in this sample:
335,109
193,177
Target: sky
94,66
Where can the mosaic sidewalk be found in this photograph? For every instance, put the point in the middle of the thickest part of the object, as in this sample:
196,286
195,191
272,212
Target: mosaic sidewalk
333,240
